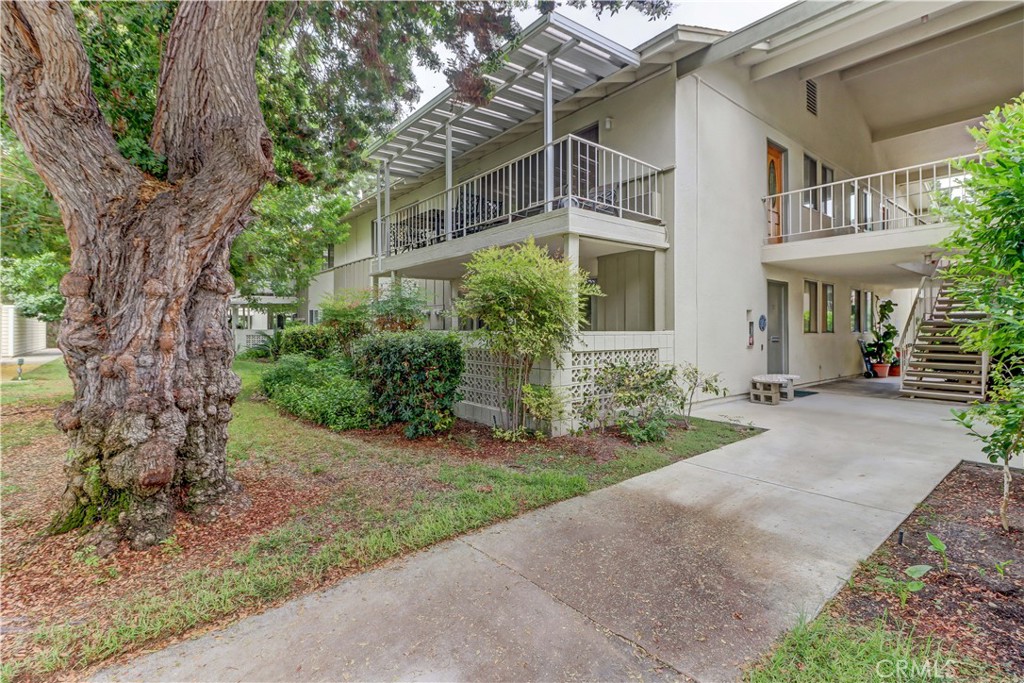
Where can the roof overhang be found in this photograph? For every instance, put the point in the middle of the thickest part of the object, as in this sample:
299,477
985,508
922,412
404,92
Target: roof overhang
579,59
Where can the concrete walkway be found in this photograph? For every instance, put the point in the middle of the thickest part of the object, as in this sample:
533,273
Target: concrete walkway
9,364
689,571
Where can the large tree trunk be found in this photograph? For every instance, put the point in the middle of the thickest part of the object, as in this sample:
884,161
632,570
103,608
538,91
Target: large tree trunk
145,334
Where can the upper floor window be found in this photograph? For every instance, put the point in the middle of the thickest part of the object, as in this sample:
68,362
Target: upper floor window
810,306
810,180
329,256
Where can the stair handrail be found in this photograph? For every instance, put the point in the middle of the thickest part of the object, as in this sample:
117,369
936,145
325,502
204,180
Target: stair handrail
923,303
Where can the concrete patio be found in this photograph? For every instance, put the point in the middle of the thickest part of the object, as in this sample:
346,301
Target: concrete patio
689,571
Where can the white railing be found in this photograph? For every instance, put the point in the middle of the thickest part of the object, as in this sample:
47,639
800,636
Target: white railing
891,200
920,310
584,175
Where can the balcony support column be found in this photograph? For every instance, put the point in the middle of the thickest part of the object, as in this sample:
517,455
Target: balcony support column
379,224
549,136
659,289
387,208
448,180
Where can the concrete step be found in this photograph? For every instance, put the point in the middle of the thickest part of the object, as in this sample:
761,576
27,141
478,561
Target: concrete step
949,347
938,395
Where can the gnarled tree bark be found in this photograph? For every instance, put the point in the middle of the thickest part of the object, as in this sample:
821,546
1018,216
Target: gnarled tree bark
144,333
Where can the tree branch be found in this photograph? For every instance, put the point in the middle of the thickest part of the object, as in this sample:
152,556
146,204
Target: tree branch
50,103
208,87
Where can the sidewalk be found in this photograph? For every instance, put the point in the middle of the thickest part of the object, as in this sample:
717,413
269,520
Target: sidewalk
689,571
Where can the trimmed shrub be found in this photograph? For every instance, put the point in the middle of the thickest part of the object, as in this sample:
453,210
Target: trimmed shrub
315,341
320,391
413,378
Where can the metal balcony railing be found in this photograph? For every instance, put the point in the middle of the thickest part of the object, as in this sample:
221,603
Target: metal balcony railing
583,175
891,200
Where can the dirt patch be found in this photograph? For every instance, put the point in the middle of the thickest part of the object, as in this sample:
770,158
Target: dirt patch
975,606
470,441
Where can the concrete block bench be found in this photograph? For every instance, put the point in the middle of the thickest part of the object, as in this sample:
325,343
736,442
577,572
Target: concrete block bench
770,389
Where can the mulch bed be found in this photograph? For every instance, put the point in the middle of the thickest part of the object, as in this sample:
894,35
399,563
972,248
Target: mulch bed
970,607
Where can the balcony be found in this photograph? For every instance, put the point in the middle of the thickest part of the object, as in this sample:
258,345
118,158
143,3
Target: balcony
880,226
570,173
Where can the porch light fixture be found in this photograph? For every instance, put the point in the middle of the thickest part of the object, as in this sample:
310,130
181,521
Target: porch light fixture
608,122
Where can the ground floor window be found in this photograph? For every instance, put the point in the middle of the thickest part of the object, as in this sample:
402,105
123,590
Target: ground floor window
855,319
314,316
829,307
810,306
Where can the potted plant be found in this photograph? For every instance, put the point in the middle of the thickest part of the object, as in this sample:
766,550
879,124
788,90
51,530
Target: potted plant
882,351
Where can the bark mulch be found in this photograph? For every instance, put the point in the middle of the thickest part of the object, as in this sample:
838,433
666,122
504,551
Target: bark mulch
971,607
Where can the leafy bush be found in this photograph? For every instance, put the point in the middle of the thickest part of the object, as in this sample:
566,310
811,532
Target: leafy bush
315,341
643,397
529,306
270,346
320,391
399,308
413,378
348,314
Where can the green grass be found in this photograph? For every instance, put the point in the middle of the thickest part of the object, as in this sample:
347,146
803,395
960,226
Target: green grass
47,384
829,649
367,519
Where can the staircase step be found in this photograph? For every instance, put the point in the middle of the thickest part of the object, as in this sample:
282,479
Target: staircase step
975,377
944,365
943,386
938,395
951,347
950,354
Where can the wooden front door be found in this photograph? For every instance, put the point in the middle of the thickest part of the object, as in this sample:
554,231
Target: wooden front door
775,188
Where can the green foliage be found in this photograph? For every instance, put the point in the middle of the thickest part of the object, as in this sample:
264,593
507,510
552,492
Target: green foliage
271,346
320,391
902,588
282,250
31,284
399,308
316,341
882,349
986,273
348,314
940,547
529,306
413,378
641,397
693,380
543,403
837,651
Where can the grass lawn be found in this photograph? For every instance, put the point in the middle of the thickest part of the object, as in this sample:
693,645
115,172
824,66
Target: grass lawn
325,505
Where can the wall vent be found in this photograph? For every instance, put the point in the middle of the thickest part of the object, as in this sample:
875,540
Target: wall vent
812,97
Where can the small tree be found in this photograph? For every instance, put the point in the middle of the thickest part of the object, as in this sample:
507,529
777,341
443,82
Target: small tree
400,307
529,306
348,313
986,273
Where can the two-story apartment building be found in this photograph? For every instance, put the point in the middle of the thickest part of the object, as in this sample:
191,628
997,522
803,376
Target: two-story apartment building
740,198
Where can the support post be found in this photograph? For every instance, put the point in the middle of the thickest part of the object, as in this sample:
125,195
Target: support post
448,180
379,236
659,290
387,207
549,128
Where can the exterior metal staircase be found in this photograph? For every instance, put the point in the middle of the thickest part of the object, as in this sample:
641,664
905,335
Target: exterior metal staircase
934,365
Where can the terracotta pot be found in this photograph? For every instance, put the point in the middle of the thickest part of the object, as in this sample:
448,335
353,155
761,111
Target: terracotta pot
894,371
881,369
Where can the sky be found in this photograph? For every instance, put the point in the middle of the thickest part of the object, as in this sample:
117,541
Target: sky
630,28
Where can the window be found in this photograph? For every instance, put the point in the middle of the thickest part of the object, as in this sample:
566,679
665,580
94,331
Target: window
828,175
828,313
810,306
329,256
810,180
314,316
869,311
855,320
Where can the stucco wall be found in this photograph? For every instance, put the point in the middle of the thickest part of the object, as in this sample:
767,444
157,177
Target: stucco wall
724,126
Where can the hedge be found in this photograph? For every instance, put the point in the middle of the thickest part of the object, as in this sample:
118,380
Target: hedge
413,378
316,341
